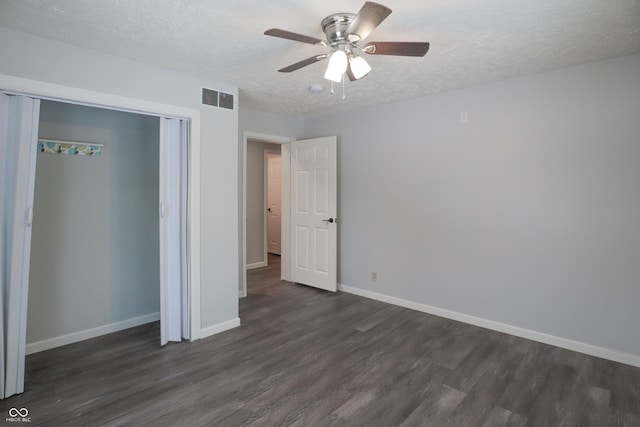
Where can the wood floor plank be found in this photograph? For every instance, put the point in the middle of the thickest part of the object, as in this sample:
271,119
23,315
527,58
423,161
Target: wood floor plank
305,357
436,407
500,417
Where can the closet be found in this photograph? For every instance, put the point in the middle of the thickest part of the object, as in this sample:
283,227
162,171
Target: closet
95,236
95,226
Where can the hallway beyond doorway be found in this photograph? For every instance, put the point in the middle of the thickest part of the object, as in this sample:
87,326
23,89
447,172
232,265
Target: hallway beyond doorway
264,277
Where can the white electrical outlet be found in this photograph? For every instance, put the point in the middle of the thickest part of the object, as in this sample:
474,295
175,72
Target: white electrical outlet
464,117
374,276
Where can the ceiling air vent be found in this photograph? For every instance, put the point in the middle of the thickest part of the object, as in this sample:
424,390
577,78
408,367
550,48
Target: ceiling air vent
217,99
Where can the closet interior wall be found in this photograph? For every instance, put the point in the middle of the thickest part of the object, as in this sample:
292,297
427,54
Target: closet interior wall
95,247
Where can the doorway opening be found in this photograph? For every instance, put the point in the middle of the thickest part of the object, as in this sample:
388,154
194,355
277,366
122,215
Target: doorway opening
309,211
263,181
27,93
256,147
94,265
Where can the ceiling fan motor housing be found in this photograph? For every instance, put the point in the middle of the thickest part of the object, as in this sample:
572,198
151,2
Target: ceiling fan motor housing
335,27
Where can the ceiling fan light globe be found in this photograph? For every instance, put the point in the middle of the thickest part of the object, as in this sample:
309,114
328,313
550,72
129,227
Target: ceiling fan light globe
359,67
334,78
338,63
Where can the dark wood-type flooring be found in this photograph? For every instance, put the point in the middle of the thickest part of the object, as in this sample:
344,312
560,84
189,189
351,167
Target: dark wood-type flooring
305,357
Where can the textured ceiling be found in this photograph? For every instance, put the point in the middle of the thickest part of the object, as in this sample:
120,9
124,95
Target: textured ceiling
472,41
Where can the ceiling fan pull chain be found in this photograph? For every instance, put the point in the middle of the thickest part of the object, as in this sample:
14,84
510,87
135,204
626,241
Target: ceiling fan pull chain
344,95
332,87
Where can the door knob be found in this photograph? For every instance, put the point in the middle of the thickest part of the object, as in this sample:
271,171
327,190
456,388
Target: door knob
268,209
330,220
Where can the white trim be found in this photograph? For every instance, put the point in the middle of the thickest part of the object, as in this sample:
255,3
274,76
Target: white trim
242,294
56,92
285,212
194,226
284,141
255,265
265,183
592,350
38,346
220,327
44,90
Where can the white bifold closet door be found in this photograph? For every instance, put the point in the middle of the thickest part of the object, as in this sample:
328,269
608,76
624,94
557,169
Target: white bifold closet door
174,289
19,117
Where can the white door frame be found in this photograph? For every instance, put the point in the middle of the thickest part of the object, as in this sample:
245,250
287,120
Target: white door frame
285,240
55,92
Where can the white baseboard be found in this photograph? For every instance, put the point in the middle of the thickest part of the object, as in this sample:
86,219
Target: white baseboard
220,327
257,265
50,343
592,350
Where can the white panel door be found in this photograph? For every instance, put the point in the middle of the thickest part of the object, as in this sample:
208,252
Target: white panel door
273,204
313,212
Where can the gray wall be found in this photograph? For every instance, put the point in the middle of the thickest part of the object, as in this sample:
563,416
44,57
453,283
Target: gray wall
95,242
256,199
528,215
37,59
270,124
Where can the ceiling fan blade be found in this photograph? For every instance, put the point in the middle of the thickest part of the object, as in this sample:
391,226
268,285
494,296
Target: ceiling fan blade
397,48
370,16
284,34
303,63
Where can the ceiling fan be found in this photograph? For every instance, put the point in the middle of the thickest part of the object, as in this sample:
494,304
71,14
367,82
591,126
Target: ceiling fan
343,31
